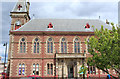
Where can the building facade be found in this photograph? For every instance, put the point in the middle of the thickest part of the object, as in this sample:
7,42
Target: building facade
1,66
49,47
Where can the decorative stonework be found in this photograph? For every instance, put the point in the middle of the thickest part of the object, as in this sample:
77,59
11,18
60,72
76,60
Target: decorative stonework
12,46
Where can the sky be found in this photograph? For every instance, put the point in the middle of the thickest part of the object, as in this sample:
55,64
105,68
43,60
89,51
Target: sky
63,9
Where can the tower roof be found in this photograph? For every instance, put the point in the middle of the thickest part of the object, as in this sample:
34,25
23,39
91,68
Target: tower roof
20,6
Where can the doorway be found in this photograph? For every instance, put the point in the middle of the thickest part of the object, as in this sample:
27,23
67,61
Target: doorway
70,72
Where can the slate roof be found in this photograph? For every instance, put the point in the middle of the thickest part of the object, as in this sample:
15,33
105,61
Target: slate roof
63,25
21,3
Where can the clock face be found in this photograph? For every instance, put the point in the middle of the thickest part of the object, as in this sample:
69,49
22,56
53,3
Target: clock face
18,23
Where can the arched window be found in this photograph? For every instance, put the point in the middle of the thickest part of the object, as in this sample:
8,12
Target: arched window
77,45
21,69
36,45
22,45
35,69
63,46
50,45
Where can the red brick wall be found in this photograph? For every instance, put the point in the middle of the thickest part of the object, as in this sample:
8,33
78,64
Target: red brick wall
29,57
43,54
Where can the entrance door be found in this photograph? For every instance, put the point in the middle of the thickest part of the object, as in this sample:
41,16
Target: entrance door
70,72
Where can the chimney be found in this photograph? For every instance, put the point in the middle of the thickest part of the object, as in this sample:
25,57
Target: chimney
107,21
28,6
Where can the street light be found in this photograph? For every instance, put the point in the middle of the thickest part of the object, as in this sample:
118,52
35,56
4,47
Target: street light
5,44
84,64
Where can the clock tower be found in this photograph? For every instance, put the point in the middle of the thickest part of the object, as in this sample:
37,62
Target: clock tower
20,14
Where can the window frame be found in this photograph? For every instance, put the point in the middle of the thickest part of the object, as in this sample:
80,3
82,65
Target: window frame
21,69
50,68
77,45
50,45
22,45
35,69
63,45
36,46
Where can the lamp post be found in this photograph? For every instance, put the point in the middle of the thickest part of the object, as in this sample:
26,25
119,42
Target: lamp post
5,44
84,64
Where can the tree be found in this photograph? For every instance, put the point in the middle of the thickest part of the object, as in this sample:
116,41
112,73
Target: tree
104,47
83,70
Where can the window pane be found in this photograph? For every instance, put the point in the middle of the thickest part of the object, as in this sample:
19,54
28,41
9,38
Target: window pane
20,47
23,39
37,65
51,47
38,47
19,65
63,39
61,47
36,39
35,47
33,65
23,69
76,39
75,48
33,69
65,47
33,72
50,39
37,73
24,48
23,65
48,69
48,47
19,71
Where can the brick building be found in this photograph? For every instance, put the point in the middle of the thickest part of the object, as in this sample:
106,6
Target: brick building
48,47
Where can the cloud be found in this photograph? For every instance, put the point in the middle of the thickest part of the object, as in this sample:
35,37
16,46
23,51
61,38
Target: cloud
6,20
89,10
